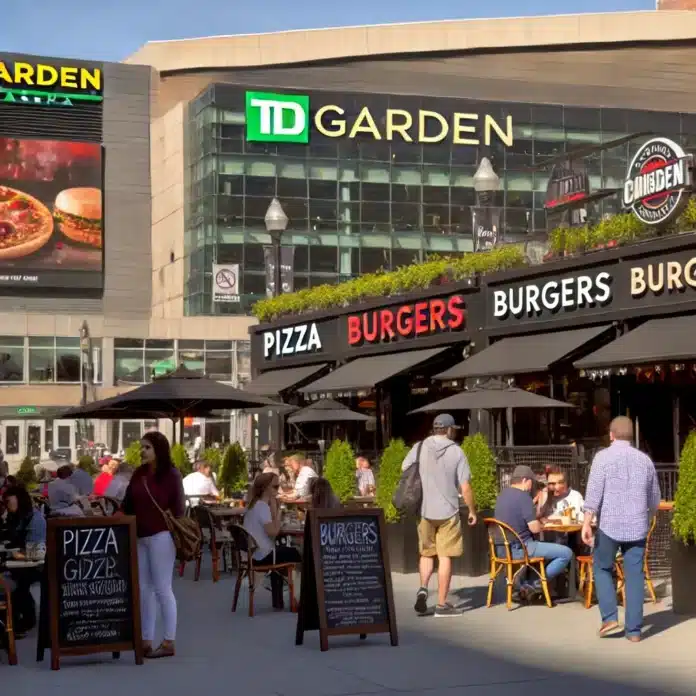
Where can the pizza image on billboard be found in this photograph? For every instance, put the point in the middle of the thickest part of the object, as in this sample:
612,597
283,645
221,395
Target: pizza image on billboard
51,214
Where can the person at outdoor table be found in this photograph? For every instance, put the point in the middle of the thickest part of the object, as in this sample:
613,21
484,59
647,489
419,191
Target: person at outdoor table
515,508
155,487
559,496
26,528
200,483
63,496
365,476
303,477
263,522
119,483
82,481
623,493
323,496
101,483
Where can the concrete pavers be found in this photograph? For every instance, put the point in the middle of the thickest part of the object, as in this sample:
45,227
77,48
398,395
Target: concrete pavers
486,652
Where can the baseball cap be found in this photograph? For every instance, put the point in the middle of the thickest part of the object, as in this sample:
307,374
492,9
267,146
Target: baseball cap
524,472
444,420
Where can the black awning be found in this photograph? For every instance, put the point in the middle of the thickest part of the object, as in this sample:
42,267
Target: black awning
365,373
273,382
657,340
521,354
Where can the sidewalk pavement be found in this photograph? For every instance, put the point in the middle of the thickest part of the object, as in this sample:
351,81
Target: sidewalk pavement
485,652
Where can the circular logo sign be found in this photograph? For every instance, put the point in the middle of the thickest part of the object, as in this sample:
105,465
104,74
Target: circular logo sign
226,280
658,182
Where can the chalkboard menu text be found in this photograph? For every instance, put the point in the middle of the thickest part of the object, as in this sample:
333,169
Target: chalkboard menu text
93,587
346,581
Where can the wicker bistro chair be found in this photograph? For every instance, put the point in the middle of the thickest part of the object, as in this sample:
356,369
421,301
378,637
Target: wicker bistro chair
244,547
218,540
499,534
6,621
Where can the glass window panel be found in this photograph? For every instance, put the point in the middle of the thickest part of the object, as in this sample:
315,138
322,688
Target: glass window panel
436,153
11,361
68,364
405,257
230,165
12,439
406,215
256,208
374,192
218,365
259,186
41,341
323,259
159,344
410,176
128,366
403,153
515,181
463,177
349,171
373,260
187,344
231,185
520,199
260,168
463,195
291,188
349,212
301,260
42,364
243,359
128,343
9,341
348,149
323,215
230,209
230,253
300,282
294,150
374,212
436,194
254,283
436,216
292,170
159,362
465,154
375,150
253,257
324,147
374,174
323,189
68,341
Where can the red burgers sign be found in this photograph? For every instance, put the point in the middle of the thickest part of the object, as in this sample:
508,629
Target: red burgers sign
407,321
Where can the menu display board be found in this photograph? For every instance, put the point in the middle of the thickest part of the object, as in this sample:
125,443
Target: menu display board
346,580
93,587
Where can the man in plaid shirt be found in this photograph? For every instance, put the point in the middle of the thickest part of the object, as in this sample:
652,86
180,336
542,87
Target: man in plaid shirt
623,494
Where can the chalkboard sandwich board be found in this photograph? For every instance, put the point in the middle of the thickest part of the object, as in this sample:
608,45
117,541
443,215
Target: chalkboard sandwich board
93,592
346,579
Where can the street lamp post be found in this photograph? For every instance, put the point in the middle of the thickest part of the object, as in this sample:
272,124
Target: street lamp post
276,222
486,182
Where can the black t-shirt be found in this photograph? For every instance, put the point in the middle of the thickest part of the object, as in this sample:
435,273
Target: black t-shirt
516,508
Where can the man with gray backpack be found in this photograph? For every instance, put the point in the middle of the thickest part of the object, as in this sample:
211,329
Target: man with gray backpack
434,474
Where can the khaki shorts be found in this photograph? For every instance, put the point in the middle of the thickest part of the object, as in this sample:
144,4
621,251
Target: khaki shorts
441,537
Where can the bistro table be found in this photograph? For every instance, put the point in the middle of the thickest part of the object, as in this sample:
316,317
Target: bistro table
560,528
223,514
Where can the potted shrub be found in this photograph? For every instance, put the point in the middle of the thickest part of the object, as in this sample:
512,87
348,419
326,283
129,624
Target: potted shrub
213,456
684,532
233,477
484,482
27,473
339,469
181,459
86,463
132,455
402,538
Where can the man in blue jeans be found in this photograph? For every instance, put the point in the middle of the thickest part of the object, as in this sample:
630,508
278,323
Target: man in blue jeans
515,508
623,493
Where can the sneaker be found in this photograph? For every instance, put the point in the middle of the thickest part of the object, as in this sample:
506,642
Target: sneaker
421,605
446,610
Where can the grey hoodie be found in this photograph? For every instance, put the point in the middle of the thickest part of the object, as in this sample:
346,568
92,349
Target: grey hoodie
443,469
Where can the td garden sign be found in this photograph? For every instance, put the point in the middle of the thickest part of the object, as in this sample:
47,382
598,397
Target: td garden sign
289,118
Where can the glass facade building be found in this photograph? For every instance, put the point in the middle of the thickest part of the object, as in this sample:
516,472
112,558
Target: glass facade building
358,203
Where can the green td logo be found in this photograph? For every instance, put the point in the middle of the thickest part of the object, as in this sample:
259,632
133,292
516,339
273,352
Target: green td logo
277,118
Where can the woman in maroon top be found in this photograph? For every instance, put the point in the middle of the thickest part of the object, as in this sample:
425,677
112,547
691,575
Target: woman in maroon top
157,478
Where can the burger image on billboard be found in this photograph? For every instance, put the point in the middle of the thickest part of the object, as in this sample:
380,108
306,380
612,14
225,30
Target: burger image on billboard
658,182
78,211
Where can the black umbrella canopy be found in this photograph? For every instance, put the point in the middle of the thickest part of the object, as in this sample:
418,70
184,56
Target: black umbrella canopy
175,395
327,411
492,395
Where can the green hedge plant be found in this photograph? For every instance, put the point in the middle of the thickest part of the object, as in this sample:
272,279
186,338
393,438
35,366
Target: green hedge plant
233,476
87,463
388,477
385,284
181,459
213,455
684,520
339,469
27,473
484,480
132,454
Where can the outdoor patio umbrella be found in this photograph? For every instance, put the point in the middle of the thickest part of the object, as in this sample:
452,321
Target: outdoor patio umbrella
327,411
492,396
181,393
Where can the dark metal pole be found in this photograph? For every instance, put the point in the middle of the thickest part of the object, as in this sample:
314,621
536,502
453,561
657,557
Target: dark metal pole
277,291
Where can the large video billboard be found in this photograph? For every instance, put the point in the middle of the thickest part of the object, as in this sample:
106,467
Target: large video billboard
51,214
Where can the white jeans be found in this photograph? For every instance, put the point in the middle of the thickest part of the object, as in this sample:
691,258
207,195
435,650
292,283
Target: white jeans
156,556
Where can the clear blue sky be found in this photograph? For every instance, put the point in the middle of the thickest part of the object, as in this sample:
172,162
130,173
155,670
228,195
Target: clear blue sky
113,29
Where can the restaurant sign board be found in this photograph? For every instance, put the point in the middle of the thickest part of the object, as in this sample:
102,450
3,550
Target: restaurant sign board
658,182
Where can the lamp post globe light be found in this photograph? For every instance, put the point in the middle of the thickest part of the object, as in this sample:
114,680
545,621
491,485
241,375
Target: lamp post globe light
276,223
486,181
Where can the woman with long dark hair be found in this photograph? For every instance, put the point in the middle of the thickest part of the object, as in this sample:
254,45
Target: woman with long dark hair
263,521
323,496
155,487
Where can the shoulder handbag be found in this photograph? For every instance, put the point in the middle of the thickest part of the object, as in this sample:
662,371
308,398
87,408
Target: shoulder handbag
408,496
186,534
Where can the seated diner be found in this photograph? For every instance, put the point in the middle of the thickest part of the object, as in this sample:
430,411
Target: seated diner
63,496
559,499
323,496
515,508
304,474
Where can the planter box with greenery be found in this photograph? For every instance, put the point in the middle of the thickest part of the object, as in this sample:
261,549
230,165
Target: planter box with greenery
181,459
339,469
132,454
684,530
475,561
233,477
402,537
